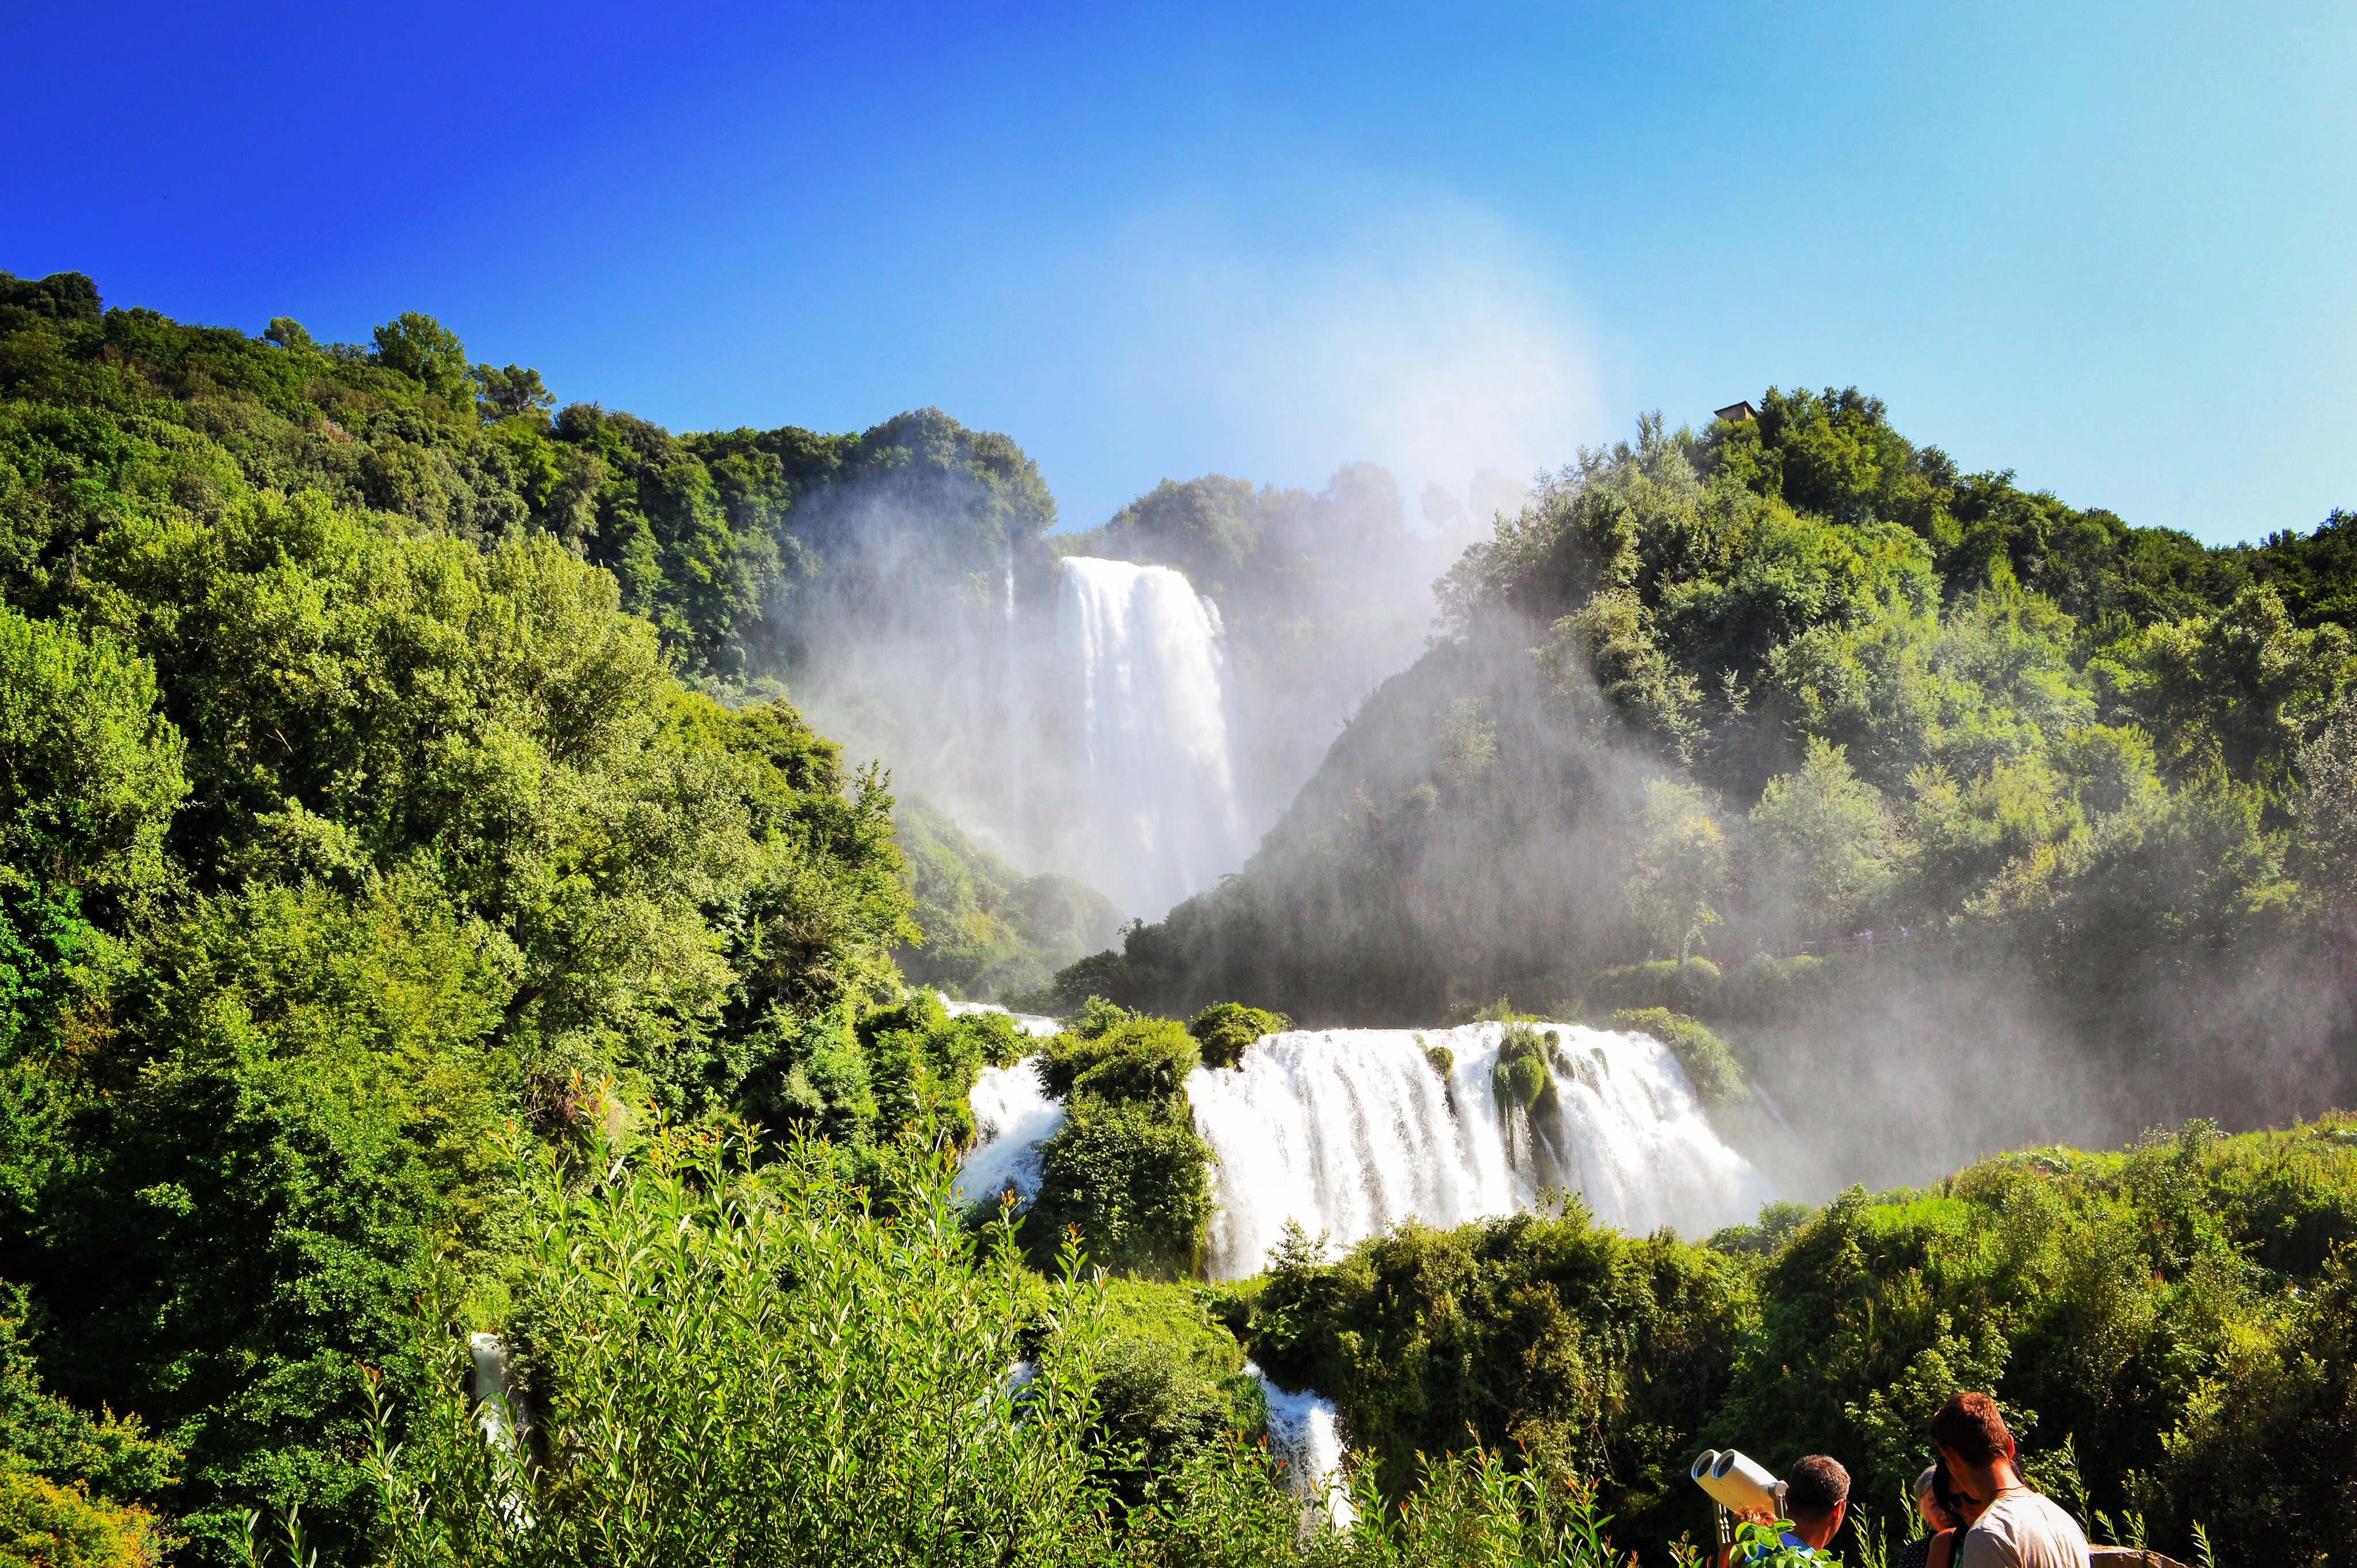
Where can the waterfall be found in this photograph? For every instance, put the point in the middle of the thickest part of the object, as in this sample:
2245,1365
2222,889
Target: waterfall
503,1419
1012,1117
495,1402
1153,815
1036,1024
1303,1437
1351,1131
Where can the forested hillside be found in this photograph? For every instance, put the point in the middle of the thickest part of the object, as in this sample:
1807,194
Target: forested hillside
1740,697
362,787
989,930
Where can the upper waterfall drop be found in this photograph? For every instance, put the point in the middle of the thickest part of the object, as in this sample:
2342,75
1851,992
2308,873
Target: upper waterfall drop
1156,812
1351,1131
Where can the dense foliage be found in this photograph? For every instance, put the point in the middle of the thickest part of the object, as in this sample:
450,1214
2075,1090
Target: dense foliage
2167,1324
990,932
728,1360
1126,1173
1225,1028
360,789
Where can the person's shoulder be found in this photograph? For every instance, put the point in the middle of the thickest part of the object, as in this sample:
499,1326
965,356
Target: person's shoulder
2045,1510
2027,1526
2059,1522
1988,1543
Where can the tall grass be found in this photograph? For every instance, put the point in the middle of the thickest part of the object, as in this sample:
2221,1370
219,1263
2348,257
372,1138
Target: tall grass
736,1362
733,1360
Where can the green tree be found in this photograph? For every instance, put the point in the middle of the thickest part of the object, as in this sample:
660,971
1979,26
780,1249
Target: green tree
1678,868
2241,688
44,1525
425,352
2328,765
1822,843
509,393
1225,1028
91,773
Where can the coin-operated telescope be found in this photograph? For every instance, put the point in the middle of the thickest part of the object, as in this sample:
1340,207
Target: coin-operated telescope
1738,1485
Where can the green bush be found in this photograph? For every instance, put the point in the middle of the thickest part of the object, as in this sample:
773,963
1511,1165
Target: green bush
2107,1300
44,1525
1131,1179
1152,1399
114,1456
1519,1077
1693,987
1710,1067
1225,1028
1593,1354
2264,1452
1131,1058
736,1362
1765,989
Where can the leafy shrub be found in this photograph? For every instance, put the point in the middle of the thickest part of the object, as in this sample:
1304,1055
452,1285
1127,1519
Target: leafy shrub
1693,987
1519,1077
1591,1352
859,1083
1765,989
1134,1059
44,1525
1710,1067
114,1456
1130,1178
1152,1399
733,1362
2265,1450
1765,1237
1225,1028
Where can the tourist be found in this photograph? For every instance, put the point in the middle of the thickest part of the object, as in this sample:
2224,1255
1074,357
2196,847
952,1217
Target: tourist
1952,1505
1937,1521
2016,1528
1816,1496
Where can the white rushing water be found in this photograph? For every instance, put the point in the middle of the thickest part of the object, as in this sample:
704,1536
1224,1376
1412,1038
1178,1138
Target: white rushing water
1305,1442
1348,1132
501,1415
1012,1117
494,1407
1351,1131
1036,1024
1155,814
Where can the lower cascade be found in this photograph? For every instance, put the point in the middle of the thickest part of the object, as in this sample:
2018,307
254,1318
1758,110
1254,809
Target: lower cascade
1351,1131
1348,1132
1303,1436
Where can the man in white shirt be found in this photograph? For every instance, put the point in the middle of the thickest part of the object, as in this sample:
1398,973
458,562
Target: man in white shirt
2019,1528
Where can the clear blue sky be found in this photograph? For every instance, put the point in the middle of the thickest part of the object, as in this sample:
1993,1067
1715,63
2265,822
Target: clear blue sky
2107,246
